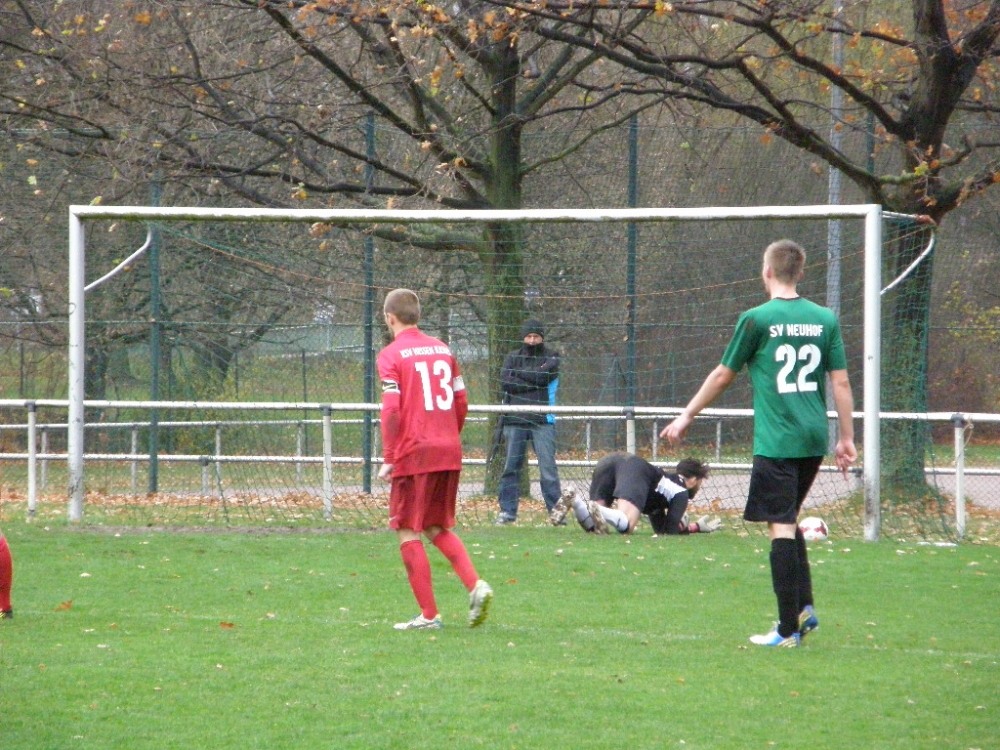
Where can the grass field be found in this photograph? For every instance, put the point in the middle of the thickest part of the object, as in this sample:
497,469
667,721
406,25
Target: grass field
145,639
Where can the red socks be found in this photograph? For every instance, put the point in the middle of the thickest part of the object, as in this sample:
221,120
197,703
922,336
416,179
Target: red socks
453,549
6,574
418,570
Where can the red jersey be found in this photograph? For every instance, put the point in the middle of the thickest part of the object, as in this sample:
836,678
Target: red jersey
424,404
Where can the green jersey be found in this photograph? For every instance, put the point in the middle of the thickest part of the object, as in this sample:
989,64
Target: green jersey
788,345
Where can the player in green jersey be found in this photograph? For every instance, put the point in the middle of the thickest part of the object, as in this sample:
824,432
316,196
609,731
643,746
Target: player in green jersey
789,345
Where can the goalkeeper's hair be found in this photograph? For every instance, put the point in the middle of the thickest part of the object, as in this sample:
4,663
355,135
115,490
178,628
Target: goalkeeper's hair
404,304
787,259
692,467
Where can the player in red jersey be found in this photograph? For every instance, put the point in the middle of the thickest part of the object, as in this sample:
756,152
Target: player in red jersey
423,410
6,576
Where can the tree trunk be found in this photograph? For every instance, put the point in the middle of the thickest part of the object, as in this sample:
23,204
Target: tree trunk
210,369
505,241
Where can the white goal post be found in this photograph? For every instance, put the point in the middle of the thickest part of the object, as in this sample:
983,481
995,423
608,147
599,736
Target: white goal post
871,214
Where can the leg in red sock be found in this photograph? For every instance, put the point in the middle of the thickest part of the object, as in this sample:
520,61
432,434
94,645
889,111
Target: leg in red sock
418,570
6,577
453,549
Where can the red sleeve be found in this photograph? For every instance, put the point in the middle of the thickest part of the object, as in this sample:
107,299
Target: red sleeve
461,408
461,396
390,425
390,407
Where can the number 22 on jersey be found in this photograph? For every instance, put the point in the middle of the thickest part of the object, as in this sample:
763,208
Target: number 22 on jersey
788,381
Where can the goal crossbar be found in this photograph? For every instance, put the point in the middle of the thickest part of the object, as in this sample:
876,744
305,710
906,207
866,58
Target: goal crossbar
364,215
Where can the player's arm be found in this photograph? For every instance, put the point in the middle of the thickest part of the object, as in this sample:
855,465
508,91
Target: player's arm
714,386
461,396
389,422
843,401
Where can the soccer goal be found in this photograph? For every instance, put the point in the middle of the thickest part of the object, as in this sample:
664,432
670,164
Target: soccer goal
214,309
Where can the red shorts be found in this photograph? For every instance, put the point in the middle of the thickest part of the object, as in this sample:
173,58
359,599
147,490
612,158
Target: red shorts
419,501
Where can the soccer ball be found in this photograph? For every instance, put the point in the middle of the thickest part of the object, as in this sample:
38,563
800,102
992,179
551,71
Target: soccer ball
814,529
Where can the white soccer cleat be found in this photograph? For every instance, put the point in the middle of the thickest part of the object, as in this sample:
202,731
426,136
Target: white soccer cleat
562,508
600,525
775,639
420,623
479,603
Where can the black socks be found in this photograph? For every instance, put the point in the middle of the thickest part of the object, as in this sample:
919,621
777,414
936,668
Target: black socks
786,580
805,575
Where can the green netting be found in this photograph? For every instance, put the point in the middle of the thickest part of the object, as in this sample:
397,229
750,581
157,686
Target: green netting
917,501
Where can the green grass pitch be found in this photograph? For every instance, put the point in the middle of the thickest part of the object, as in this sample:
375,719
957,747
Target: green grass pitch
161,640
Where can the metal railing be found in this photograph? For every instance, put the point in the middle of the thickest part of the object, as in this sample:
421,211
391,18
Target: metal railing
38,455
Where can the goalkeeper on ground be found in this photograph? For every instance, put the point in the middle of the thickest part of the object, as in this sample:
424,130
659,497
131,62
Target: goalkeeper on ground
638,488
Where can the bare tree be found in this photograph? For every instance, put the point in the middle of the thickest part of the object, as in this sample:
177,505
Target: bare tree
915,82
267,101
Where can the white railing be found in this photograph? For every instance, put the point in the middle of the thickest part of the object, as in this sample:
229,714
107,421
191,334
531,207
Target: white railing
38,479
38,454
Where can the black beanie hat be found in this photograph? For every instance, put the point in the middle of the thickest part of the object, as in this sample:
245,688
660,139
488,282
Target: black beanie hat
531,325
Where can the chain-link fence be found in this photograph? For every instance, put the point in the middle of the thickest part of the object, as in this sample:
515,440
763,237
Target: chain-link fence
254,312
310,473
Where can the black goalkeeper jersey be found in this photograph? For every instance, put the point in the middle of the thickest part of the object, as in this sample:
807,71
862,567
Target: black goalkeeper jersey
661,496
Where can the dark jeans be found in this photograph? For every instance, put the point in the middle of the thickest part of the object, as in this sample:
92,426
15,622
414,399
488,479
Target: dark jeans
543,439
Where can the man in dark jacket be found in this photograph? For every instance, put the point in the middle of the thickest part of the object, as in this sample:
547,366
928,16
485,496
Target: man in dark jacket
530,376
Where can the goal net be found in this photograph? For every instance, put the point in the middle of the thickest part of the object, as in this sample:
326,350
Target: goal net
228,364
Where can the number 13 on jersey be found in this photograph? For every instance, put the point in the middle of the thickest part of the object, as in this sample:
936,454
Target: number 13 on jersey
435,380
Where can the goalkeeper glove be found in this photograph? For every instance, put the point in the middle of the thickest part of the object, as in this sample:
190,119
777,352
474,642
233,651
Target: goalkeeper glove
707,525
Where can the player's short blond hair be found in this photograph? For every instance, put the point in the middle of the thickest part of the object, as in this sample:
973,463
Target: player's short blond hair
786,259
404,304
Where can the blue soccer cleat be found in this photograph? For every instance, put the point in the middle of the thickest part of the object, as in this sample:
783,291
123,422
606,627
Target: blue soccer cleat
808,622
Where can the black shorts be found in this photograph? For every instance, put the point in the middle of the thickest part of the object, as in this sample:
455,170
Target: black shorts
778,487
620,476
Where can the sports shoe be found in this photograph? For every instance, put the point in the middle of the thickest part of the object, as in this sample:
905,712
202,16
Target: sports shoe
774,639
503,519
562,508
479,603
420,623
808,622
6,614
600,525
